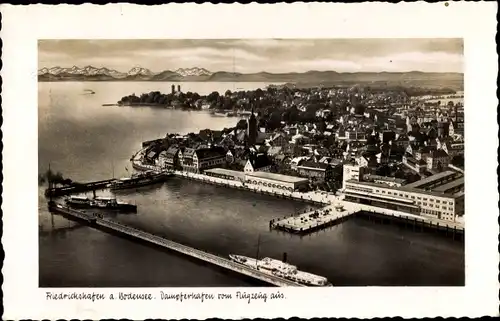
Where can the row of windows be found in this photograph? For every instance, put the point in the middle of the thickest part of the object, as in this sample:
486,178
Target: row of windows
437,206
360,189
221,176
412,196
270,185
432,212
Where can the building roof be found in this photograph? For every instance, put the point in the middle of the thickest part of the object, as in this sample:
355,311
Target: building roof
189,152
278,177
274,150
260,161
431,179
405,188
439,153
172,150
204,153
224,171
312,165
451,185
385,178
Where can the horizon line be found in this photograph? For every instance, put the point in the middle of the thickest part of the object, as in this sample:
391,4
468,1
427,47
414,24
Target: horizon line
263,71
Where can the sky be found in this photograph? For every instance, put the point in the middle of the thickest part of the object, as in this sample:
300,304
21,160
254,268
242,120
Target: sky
256,55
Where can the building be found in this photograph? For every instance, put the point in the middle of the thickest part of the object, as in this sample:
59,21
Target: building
197,160
453,149
387,136
173,89
294,162
172,158
162,159
258,163
252,130
456,128
230,157
278,181
418,166
279,140
316,172
434,181
391,181
445,206
178,88
151,156
438,160
352,172
225,174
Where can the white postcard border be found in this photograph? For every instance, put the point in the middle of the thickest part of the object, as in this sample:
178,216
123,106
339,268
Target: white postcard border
475,22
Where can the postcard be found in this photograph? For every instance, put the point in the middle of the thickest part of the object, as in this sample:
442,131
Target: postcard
250,161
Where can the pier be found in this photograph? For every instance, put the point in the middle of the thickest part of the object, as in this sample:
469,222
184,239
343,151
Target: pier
311,198
78,188
311,221
107,225
316,220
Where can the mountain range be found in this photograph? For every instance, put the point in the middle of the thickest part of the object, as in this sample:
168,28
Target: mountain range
90,73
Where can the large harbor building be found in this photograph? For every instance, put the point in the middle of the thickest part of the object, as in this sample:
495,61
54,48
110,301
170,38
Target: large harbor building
272,180
260,179
440,196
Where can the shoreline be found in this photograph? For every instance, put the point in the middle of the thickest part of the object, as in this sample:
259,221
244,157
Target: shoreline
311,197
325,200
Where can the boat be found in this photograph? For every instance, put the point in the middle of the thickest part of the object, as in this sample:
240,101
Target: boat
281,269
89,91
107,203
140,179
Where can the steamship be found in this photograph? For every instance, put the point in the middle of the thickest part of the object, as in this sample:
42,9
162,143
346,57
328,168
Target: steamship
106,203
281,269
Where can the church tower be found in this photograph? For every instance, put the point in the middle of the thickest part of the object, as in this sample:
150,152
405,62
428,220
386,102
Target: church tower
252,129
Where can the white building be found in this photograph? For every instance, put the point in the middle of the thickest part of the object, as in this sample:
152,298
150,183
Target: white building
440,197
278,181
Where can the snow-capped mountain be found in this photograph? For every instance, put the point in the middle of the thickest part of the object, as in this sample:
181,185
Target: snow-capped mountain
139,71
86,71
195,71
43,71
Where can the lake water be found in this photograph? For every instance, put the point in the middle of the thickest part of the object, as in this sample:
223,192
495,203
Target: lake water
86,141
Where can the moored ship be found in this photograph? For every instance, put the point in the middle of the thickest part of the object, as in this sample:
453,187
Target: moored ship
140,179
281,269
107,203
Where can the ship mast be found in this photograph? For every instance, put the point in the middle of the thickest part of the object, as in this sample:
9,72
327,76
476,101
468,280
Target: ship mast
49,181
257,255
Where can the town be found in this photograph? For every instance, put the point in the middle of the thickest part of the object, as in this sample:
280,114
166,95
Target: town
394,148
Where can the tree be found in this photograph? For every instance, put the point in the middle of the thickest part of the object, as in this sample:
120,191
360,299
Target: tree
213,97
242,124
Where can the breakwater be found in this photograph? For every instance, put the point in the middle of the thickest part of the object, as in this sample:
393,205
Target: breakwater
104,224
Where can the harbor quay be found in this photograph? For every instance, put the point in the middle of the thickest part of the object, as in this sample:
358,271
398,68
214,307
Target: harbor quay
313,197
335,208
113,227
316,198
310,221
315,220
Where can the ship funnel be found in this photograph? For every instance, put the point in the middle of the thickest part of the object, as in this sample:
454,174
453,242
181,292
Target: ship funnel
284,257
